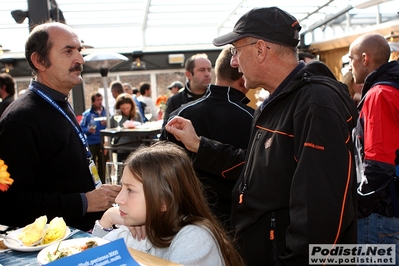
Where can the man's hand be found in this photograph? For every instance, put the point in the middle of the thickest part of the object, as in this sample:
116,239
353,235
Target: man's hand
184,131
102,198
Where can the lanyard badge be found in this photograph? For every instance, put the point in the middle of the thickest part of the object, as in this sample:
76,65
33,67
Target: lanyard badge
82,137
94,174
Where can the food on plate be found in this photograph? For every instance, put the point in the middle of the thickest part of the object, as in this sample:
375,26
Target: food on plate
55,231
32,234
38,233
131,124
70,250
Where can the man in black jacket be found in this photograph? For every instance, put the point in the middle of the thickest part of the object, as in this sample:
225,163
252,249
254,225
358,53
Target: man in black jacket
221,115
42,143
198,72
298,184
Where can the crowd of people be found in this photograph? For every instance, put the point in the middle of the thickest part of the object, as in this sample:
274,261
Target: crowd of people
225,184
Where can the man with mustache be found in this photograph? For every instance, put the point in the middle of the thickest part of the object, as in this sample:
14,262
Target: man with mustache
42,143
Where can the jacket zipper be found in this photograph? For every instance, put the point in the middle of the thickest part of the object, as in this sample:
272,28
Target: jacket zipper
248,179
272,237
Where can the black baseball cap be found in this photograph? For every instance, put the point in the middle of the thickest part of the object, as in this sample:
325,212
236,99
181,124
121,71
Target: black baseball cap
176,84
270,24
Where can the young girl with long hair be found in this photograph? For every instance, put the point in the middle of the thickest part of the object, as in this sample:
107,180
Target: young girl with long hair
161,191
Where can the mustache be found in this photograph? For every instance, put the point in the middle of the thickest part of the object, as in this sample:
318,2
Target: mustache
76,67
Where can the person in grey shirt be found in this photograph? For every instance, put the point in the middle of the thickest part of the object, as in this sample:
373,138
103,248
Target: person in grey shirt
167,200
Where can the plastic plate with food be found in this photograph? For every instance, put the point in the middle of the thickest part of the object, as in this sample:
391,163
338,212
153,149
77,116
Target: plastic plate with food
67,248
13,245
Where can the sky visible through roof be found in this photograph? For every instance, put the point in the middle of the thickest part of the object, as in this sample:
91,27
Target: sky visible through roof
156,25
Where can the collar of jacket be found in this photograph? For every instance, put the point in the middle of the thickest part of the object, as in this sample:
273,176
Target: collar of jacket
386,72
190,94
92,110
55,95
283,84
234,94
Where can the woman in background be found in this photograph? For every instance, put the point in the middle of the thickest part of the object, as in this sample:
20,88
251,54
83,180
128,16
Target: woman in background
161,191
125,103
355,90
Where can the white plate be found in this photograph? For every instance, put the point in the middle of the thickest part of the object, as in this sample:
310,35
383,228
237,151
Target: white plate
12,244
42,257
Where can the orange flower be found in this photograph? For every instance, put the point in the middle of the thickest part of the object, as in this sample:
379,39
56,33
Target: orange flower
162,99
5,180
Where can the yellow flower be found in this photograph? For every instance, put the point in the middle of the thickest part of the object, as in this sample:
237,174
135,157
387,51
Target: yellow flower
5,180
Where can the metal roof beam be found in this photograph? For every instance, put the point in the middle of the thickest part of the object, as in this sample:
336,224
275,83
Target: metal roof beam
322,23
145,19
233,11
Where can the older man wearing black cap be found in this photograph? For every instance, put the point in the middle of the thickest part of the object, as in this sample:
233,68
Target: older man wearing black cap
298,184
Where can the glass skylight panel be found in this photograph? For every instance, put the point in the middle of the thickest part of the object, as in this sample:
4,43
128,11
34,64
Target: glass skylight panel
141,23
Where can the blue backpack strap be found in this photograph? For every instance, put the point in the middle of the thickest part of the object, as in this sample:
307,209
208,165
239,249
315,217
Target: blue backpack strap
392,187
392,83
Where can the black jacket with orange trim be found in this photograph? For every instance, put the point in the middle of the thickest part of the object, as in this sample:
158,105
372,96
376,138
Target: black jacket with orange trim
299,177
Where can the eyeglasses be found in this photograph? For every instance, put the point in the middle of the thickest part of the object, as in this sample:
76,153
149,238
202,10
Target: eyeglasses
233,50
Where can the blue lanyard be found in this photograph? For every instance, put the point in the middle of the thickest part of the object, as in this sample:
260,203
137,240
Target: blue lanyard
56,106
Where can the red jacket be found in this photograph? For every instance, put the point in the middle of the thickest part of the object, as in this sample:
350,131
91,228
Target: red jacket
377,140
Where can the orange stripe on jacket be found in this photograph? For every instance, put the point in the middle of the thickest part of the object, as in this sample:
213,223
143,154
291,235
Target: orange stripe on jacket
347,140
348,179
276,131
349,119
308,144
225,171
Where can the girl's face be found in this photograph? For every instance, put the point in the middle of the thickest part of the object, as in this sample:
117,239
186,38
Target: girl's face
131,200
125,108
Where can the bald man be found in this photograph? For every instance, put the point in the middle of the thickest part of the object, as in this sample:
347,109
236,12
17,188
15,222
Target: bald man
376,140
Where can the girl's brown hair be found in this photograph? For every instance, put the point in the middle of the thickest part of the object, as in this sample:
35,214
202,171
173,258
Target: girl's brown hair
169,180
126,98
